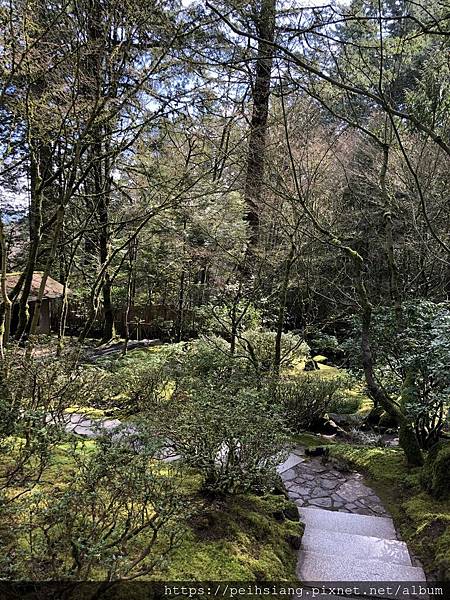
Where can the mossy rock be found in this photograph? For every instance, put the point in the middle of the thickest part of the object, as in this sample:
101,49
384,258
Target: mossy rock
374,416
387,421
435,475
320,358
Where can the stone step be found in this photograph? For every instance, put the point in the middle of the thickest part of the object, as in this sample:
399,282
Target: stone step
291,461
334,543
329,520
313,566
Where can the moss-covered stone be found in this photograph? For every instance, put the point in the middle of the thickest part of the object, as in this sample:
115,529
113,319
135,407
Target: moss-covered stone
388,421
309,440
435,475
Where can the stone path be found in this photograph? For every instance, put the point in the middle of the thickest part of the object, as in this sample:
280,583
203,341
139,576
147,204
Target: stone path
91,428
348,536
312,482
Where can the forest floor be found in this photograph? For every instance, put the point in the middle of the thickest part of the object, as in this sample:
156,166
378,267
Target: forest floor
227,541
253,537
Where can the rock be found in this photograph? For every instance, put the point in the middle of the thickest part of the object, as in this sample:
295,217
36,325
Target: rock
373,418
387,421
119,347
325,426
311,365
291,461
322,502
346,420
288,475
319,451
329,484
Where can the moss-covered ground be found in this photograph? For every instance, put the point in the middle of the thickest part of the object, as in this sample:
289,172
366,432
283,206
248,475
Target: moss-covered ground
245,538
423,522
242,537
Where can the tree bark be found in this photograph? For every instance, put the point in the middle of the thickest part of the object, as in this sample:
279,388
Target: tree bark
407,437
45,275
265,26
282,309
5,310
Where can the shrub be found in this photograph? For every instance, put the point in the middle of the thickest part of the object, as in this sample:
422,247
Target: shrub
259,347
411,362
35,393
307,398
201,358
231,437
344,403
113,515
435,474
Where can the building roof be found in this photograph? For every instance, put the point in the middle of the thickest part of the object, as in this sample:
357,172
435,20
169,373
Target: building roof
53,289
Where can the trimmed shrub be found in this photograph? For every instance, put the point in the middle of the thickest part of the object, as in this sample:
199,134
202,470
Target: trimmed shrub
259,347
306,399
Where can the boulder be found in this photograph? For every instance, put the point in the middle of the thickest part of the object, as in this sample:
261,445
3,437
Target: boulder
325,426
373,418
346,420
311,365
435,474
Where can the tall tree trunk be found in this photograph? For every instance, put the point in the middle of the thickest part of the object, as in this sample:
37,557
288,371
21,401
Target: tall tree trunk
45,275
282,309
131,290
265,27
394,291
180,310
5,309
35,237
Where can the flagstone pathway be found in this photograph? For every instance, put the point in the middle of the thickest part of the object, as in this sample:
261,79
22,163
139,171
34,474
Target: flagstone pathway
349,535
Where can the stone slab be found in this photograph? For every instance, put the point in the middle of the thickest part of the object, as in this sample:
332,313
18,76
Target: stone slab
313,566
380,527
288,475
289,463
333,543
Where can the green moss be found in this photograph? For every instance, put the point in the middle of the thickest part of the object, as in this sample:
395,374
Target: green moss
242,539
435,475
309,440
238,538
87,411
424,522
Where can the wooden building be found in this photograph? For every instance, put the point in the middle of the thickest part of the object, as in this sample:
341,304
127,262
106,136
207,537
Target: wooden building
51,300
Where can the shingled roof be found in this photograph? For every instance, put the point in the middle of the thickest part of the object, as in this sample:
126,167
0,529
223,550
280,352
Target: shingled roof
53,289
